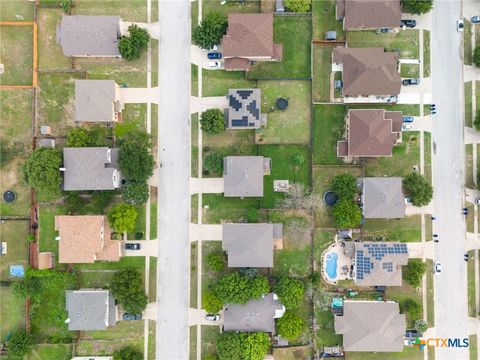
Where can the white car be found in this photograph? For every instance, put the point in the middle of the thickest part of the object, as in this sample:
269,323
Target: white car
406,127
215,64
212,317
437,268
460,25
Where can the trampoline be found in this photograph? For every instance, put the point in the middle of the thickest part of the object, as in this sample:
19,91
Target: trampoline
330,198
282,103
9,196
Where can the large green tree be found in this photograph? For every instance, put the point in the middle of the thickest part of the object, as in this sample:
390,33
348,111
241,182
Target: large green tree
418,189
347,214
345,186
300,6
229,346
417,6
212,121
290,291
413,272
135,193
290,326
132,46
19,345
122,217
128,352
135,160
242,346
213,163
210,31
27,287
211,303
42,170
237,288
77,137
127,289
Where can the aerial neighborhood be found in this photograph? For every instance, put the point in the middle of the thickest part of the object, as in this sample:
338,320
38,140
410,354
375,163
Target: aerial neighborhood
239,180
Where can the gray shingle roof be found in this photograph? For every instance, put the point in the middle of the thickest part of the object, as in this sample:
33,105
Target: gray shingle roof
94,100
243,176
90,168
81,35
90,309
383,198
371,326
255,315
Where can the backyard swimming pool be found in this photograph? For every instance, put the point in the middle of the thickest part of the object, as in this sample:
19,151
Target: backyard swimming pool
331,268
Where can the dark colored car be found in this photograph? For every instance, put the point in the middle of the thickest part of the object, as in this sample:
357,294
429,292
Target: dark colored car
465,211
127,316
214,55
132,246
408,23
407,82
475,19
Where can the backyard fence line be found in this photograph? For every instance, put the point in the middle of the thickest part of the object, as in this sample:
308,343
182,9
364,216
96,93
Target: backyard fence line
14,217
62,70
307,14
277,78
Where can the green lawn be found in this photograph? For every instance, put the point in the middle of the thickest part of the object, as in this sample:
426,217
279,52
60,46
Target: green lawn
328,128
284,168
47,231
194,209
322,68
218,209
324,19
209,337
241,149
295,33
193,275
50,55
137,262
194,141
402,162
426,53
139,232
16,54
12,309
469,166
14,233
210,276
427,144
467,43
194,80
406,41
402,293
410,70
407,229
473,347
408,353
151,339
51,351
10,10
193,342
194,13
152,286
132,10
430,295
100,279
153,220
290,126
217,82
325,335
471,285
292,353
250,6
406,109
468,104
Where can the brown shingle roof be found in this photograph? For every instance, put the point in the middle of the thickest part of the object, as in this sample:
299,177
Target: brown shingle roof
84,239
236,63
370,14
368,71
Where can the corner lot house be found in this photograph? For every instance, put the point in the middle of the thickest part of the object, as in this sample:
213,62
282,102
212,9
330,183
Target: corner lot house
90,168
249,39
371,326
97,101
244,109
370,133
90,309
85,239
89,36
243,175
255,315
369,14
383,198
250,245
369,74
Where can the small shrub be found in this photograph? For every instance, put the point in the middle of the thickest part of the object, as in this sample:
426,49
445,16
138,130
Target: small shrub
298,159
216,260
212,121
213,163
211,303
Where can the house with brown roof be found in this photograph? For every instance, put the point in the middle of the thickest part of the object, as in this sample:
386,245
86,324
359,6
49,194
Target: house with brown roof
249,39
84,239
369,75
371,133
369,14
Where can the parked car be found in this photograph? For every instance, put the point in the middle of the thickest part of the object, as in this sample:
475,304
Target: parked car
406,127
460,25
214,55
212,317
437,268
475,19
132,246
408,23
465,257
128,316
465,211
214,48
477,201
407,82
407,119
215,64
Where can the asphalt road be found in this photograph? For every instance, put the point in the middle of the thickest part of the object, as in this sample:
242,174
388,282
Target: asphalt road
173,265
451,309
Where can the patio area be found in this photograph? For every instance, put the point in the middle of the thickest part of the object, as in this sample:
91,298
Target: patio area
338,261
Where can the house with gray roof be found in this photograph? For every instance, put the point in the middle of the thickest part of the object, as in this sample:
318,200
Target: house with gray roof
89,36
255,315
90,309
97,101
90,168
375,326
244,109
383,198
250,245
243,175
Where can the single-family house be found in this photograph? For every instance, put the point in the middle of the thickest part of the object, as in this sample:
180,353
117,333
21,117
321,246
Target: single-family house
370,133
85,239
243,175
369,14
382,198
90,168
249,39
97,101
89,36
255,315
244,109
90,309
375,326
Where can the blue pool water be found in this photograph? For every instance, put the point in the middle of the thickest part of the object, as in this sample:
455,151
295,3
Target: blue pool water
331,268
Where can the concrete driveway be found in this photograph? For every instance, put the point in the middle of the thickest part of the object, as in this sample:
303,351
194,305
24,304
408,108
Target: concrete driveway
420,123
207,185
197,317
471,73
419,249
472,136
139,95
413,210
199,57
147,247
152,28
472,242
205,232
214,102
471,195
423,21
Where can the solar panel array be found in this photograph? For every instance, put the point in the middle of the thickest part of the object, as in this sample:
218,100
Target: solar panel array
240,122
388,266
253,109
234,103
363,265
378,251
244,94
363,260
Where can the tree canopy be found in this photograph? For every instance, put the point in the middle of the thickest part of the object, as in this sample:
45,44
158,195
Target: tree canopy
347,214
212,121
213,163
345,186
238,289
127,289
229,346
418,189
413,308
210,30
42,170
134,158
290,291
77,137
242,346
127,353
122,217
131,47
417,6
300,6
135,193
20,344
476,56
290,326
211,303
413,272
27,287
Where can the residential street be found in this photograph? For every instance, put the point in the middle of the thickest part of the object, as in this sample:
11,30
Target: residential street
173,266
451,320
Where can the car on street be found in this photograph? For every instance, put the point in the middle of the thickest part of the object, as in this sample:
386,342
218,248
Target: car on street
407,119
408,23
460,25
214,55
214,64
465,257
465,211
437,268
129,317
132,246
412,81
477,201
212,317
406,127
475,19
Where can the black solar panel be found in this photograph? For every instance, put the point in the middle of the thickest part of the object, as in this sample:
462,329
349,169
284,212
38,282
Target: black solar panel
234,103
244,94
253,109
240,122
377,251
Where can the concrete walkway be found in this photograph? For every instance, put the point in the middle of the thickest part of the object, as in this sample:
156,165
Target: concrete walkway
472,242
471,73
199,232
471,195
150,313
471,136
206,185
420,250
199,104
139,95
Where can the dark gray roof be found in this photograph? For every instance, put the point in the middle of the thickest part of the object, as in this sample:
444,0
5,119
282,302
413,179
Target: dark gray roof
243,176
94,100
383,198
90,309
244,109
90,168
255,315
249,245
81,35
371,326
